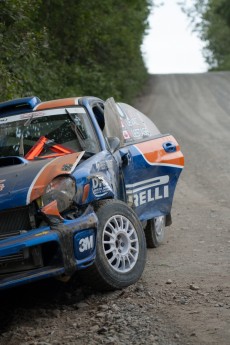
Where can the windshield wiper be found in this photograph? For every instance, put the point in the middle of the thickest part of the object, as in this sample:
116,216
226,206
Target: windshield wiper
21,142
78,128
29,120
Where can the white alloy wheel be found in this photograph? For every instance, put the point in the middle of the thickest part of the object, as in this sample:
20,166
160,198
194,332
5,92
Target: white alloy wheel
159,227
120,247
120,243
155,231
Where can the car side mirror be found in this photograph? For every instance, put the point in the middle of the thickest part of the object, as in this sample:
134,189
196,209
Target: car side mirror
114,143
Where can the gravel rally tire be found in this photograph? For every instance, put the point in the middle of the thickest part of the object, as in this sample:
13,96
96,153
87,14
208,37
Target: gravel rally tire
120,248
154,231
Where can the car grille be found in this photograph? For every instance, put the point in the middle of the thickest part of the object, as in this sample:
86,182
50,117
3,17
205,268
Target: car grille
14,220
11,258
12,223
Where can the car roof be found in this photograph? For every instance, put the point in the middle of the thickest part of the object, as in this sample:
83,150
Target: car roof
33,103
17,106
57,103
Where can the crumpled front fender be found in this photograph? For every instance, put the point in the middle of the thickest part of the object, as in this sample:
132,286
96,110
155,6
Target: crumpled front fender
76,240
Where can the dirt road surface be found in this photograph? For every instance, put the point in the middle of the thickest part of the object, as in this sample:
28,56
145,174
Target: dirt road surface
184,294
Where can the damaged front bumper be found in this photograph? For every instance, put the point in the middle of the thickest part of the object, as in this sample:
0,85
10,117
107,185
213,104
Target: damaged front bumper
57,250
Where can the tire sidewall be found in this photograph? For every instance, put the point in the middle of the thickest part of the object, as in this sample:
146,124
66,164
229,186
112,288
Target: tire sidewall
118,279
152,239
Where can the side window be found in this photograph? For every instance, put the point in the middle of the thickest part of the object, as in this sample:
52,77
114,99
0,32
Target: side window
98,110
135,125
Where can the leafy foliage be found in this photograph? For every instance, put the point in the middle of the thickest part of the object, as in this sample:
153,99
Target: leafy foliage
211,19
60,48
19,46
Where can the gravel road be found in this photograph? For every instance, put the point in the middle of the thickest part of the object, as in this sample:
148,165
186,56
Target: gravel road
184,294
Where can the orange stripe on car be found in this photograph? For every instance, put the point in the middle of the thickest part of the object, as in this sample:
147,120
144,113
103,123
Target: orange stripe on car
154,152
64,102
63,165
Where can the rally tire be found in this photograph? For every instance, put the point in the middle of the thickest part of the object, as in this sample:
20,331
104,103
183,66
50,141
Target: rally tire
155,231
120,248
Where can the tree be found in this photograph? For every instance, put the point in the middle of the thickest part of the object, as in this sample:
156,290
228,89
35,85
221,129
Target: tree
97,44
20,46
62,48
211,19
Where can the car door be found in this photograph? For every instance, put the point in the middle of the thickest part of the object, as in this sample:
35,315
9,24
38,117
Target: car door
150,163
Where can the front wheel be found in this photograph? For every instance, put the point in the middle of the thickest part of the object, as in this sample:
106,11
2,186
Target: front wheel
154,231
121,247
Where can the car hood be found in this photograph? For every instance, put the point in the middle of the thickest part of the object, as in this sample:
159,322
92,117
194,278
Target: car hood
22,181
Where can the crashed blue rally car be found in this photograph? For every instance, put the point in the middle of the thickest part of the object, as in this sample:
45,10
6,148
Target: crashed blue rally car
84,185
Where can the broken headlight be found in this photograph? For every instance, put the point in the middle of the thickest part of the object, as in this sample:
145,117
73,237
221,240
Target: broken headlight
62,189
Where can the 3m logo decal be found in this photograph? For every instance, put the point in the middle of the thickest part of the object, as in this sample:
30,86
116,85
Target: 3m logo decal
86,244
2,186
148,190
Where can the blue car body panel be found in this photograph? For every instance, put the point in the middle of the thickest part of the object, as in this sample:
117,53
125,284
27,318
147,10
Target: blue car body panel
151,194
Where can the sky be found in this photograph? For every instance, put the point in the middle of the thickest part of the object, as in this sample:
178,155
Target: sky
170,46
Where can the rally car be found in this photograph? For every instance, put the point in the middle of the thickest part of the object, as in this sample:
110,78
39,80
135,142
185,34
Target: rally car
85,184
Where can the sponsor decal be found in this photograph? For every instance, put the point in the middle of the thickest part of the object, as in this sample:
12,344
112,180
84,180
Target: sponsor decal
149,190
141,132
86,244
67,167
132,122
37,114
126,135
100,187
134,129
31,115
2,186
101,166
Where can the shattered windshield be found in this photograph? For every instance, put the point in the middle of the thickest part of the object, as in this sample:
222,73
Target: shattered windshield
59,130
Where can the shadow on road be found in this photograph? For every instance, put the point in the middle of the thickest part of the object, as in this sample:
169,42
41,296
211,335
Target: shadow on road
38,300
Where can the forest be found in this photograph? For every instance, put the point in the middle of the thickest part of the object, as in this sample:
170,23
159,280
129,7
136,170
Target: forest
64,48
211,20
